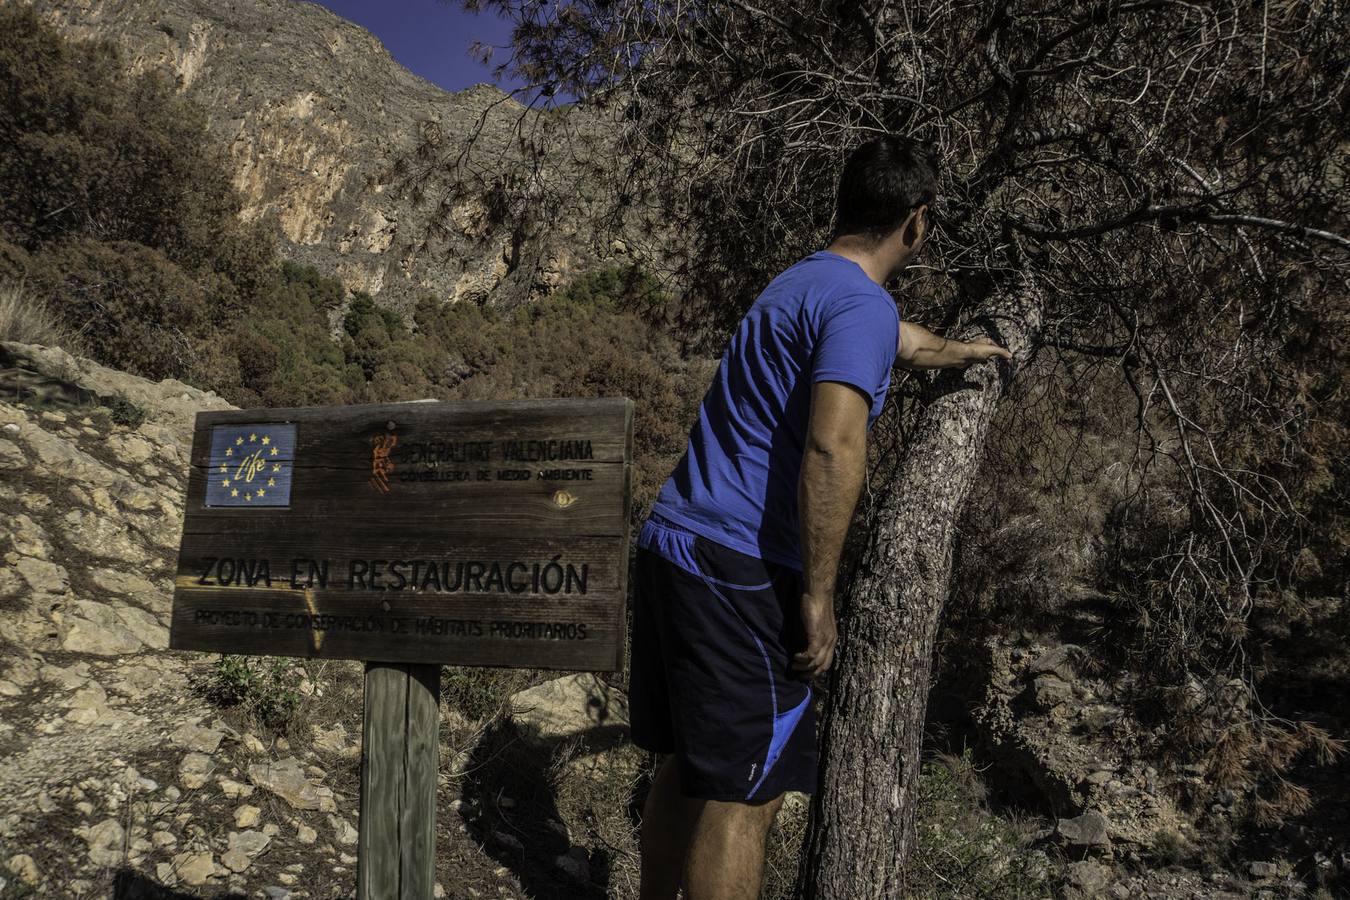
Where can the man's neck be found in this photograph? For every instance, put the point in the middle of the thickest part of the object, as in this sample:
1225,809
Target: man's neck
865,256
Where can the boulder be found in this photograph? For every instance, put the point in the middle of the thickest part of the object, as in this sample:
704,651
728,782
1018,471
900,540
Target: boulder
143,625
43,577
194,868
234,790
1087,878
243,847
105,842
128,584
575,864
1262,870
101,534
1091,829
1055,661
22,865
198,739
286,778
88,704
194,770
570,706
11,457
332,740
508,841
343,831
1049,691
28,538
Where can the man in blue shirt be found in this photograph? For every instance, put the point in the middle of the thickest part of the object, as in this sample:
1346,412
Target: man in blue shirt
735,569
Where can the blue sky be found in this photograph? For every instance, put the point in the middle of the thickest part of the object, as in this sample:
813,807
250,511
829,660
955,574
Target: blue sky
431,37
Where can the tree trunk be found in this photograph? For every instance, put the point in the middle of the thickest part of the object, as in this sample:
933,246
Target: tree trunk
863,815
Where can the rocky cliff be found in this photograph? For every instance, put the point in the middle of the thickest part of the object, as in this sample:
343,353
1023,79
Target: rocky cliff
364,167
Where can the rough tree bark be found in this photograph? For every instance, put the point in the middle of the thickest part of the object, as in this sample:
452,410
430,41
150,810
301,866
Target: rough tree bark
863,815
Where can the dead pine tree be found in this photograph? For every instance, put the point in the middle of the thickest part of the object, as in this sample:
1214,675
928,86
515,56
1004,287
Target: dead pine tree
1153,188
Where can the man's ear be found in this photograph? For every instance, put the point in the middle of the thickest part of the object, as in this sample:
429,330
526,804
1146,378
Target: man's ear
907,235
919,222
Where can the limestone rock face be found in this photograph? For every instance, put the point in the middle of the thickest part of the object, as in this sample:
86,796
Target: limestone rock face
96,628
315,117
90,518
196,738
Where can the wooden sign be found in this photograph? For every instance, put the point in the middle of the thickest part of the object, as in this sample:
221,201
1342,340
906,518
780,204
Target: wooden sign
467,533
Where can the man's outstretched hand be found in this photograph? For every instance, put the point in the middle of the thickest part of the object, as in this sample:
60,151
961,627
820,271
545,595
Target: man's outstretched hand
982,347
821,636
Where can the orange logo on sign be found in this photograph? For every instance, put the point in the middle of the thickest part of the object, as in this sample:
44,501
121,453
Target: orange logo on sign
380,463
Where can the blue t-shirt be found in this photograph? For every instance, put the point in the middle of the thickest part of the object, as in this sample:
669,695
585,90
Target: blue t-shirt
821,319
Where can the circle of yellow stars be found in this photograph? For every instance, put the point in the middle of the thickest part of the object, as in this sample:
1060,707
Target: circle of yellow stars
244,474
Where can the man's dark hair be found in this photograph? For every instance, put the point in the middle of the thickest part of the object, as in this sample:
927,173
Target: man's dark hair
883,180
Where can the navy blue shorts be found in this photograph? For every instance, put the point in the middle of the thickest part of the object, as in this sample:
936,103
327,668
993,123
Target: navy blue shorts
710,677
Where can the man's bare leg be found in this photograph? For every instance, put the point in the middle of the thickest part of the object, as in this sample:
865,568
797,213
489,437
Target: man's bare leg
668,819
726,856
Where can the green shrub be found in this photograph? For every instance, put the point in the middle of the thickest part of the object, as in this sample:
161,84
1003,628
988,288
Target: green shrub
580,342
138,310
119,212
126,412
263,686
619,288
90,150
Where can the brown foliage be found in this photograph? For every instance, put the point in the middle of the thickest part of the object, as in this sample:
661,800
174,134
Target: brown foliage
138,309
577,344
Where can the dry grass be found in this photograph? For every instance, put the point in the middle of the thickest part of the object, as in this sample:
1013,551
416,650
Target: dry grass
783,850
28,319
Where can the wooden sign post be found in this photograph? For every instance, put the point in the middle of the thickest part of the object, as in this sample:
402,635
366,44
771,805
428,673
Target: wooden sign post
409,535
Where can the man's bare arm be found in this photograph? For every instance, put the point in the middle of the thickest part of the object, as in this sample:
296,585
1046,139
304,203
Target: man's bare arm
921,349
833,464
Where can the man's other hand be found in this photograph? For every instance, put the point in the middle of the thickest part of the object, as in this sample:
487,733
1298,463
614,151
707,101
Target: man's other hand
821,636
921,349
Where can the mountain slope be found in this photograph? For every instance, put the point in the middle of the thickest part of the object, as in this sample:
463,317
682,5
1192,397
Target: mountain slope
323,130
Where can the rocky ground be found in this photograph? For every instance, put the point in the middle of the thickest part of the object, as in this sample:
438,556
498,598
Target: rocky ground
1067,743
129,770
119,765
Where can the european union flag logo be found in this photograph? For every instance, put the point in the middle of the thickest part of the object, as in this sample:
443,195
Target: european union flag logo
251,465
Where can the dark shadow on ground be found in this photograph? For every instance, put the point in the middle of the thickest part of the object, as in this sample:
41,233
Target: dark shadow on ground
515,814
1317,840
128,884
